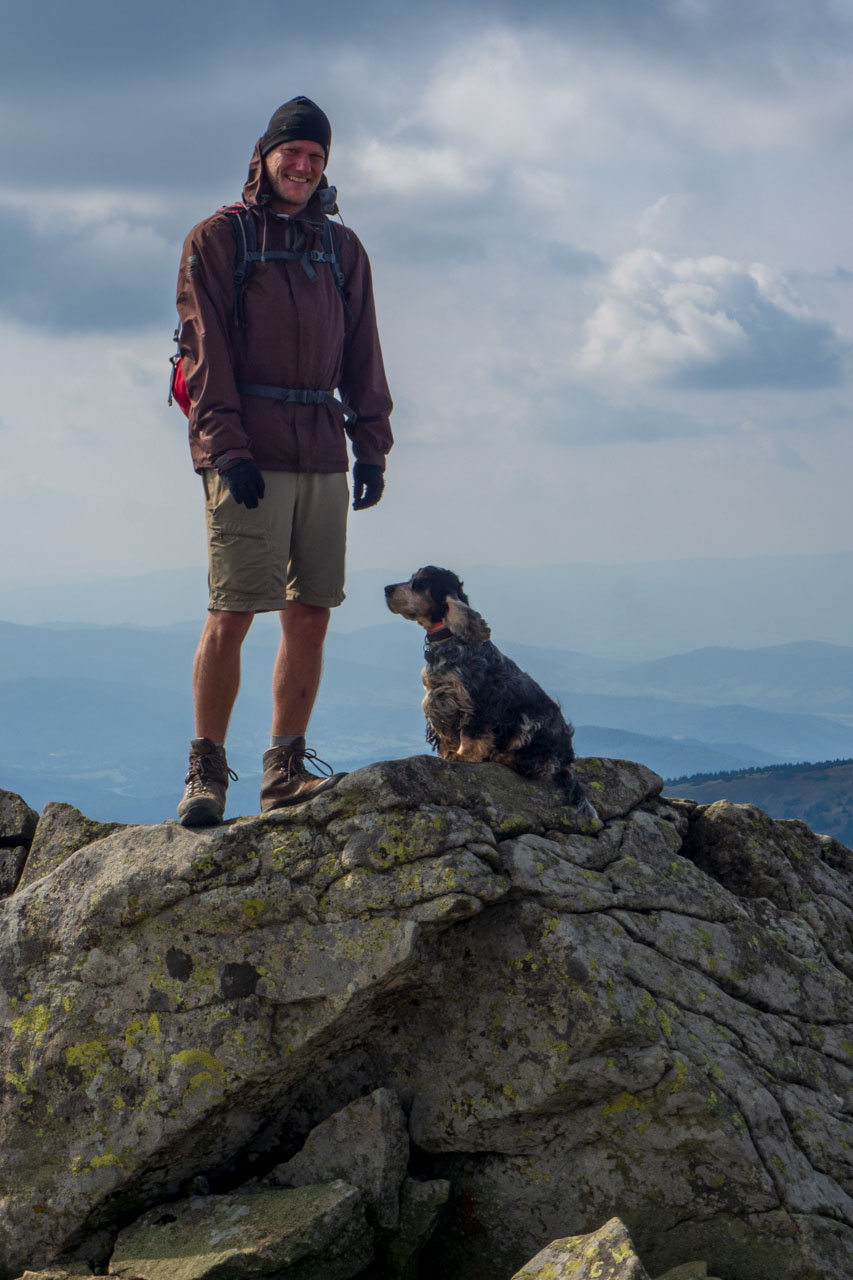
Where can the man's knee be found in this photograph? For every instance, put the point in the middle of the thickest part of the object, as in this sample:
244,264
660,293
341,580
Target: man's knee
227,627
305,623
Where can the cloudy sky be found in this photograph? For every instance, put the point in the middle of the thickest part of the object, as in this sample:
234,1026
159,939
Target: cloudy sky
611,251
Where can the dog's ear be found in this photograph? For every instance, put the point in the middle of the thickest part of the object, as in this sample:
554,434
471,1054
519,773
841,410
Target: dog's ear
465,623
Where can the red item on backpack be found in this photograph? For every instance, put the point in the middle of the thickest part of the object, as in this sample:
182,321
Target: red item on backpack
178,387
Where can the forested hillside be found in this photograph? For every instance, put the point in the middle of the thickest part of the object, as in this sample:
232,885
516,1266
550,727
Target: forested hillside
819,794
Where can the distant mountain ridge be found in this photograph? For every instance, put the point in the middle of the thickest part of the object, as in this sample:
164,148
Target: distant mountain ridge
626,611
101,716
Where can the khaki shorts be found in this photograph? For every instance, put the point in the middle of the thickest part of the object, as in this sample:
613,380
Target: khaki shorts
291,546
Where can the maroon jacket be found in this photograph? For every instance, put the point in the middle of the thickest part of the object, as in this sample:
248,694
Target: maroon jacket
297,334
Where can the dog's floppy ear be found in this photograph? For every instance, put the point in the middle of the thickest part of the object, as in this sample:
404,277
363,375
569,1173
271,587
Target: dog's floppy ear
465,623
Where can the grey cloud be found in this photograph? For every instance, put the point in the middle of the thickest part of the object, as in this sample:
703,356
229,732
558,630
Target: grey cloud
581,416
784,350
403,231
572,261
96,276
154,95
167,94
61,48
393,237
732,37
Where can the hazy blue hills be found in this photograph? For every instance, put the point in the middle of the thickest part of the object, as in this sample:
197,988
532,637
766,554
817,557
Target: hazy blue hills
768,736
807,676
804,676
664,755
101,716
628,611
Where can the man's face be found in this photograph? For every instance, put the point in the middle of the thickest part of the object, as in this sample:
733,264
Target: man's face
294,170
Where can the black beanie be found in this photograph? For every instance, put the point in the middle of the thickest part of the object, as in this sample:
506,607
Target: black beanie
298,119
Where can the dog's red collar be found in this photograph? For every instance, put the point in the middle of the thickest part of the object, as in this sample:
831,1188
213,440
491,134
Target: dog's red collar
438,632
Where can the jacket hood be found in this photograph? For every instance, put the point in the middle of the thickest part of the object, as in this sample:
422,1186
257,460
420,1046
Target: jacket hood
256,190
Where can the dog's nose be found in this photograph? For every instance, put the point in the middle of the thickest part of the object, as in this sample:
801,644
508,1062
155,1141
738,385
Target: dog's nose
389,589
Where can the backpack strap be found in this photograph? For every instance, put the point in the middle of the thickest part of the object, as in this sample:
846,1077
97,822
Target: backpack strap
296,395
330,240
247,254
246,238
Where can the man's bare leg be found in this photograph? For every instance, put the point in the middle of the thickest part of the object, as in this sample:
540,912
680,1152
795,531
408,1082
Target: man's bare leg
216,671
298,667
296,679
216,679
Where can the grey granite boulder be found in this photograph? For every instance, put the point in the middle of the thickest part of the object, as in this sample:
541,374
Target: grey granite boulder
18,821
649,1017
17,827
606,1254
311,1233
421,1205
61,831
164,992
687,1271
366,1144
58,1273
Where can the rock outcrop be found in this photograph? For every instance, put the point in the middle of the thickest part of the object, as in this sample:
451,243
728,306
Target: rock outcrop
18,824
314,1233
652,1019
606,1254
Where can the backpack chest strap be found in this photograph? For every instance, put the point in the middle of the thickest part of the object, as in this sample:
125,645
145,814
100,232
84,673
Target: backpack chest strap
248,254
306,256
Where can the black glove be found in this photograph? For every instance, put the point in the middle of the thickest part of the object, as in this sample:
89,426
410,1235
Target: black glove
245,482
367,485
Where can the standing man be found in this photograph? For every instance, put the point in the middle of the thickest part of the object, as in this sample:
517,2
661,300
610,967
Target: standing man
276,310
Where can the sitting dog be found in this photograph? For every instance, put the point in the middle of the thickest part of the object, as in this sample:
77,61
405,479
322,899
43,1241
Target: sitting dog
479,705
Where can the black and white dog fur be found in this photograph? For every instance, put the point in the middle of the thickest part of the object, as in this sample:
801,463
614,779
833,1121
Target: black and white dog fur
479,705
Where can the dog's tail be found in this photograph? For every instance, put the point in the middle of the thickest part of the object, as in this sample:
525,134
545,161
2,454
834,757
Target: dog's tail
576,794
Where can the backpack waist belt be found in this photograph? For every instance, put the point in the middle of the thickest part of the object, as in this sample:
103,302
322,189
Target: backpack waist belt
295,395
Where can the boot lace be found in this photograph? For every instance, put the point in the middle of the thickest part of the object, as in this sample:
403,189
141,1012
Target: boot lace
207,768
292,763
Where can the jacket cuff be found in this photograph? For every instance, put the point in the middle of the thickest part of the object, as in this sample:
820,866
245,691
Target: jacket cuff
373,457
229,458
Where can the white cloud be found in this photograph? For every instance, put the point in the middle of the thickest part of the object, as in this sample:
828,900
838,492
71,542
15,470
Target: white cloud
407,170
517,99
82,207
705,321
506,96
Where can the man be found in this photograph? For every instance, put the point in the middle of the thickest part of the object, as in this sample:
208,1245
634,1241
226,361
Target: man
261,362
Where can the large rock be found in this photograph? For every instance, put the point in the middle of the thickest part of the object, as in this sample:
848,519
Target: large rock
366,1144
313,1233
688,1271
18,821
579,1023
17,827
61,831
606,1254
421,1205
58,1273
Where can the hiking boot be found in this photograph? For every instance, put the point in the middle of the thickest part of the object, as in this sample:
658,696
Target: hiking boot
287,781
203,801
